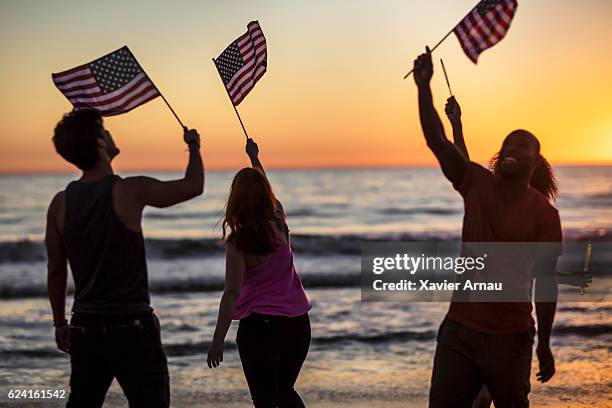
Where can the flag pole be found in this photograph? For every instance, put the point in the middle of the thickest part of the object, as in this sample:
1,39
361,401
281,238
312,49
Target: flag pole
160,94
434,47
587,260
446,76
230,98
171,110
445,37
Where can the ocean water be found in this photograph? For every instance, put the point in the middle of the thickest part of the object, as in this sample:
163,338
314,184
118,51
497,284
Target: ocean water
360,351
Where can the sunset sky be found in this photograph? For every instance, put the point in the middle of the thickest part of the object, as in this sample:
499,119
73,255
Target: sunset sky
333,94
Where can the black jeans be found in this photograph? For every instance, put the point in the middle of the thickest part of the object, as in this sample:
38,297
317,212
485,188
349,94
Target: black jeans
272,350
125,347
466,359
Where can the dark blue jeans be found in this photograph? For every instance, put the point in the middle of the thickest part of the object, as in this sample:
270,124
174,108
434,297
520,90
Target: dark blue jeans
125,347
272,350
467,359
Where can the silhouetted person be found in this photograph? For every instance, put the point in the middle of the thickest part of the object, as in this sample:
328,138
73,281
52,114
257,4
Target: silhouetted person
491,343
263,291
453,113
94,225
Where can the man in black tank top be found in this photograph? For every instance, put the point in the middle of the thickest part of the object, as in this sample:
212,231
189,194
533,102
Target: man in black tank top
94,225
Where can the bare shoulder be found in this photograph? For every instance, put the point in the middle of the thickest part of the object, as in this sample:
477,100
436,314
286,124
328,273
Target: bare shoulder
57,212
58,203
231,250
134,182
133,186
233,255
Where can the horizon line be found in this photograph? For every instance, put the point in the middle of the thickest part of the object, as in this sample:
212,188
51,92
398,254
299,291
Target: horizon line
281,168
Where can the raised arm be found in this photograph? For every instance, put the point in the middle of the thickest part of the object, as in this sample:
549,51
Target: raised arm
453,113
149,191
57,270
234,273
252,150
452,161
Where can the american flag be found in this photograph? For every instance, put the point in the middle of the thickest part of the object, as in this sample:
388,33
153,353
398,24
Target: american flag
485,26
113,84
243,62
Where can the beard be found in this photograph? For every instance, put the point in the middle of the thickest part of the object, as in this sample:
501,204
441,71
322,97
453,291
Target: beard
513,171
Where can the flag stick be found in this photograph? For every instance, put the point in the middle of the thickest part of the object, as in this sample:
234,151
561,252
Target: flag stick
587,260
434,47
171,110
444,38
162,96
446,76
230,98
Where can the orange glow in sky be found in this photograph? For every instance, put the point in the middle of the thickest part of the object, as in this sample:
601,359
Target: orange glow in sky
333,94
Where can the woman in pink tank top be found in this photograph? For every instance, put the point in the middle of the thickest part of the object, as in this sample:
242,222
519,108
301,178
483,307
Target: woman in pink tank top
262,290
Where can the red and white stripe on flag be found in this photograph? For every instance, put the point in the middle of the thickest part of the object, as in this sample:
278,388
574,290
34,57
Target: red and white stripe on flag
485,26
112,84
243,62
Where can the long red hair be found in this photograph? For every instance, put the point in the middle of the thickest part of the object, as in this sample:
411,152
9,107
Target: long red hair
250,207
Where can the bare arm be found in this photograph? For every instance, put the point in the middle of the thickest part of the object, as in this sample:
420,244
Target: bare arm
252,150
234,273
149,191
453,112
546,304
57,270
452,161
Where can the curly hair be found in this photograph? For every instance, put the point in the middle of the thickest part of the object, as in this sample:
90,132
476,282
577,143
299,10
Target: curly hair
76,137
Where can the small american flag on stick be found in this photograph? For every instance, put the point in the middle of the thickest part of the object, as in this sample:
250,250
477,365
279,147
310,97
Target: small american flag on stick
485,26
113,84
243,62
482,28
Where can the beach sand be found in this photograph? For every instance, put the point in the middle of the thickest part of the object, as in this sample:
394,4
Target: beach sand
356,360
576,385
